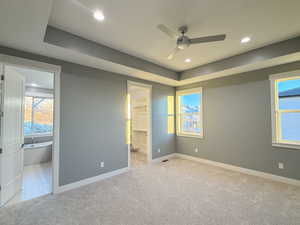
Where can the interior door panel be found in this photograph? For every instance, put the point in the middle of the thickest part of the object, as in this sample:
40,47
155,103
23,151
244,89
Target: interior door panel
11,159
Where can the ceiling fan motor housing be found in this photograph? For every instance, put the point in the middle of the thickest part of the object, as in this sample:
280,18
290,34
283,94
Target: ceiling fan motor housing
183,42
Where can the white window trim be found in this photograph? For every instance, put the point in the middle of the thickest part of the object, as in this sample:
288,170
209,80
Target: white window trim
178,114
276,140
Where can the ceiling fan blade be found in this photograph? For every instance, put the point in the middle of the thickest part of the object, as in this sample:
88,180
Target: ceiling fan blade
172,34
175,51
220,37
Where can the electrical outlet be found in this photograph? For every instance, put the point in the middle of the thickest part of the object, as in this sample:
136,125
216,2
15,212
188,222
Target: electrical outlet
158,150
101,164
281,165
196,149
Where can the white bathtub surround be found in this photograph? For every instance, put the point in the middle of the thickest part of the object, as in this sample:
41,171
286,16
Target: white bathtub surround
37,153
37,181
173,193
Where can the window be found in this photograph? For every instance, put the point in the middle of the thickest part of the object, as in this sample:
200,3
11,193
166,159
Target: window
189,113
38,116
286,109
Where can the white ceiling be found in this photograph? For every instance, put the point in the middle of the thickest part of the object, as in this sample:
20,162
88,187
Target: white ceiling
35,78
23,25
130,26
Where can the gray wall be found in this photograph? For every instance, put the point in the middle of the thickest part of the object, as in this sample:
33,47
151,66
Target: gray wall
95,99
93,119
237,124
160,137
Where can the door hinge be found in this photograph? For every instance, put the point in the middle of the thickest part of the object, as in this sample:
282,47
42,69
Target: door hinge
2,77
0,188
1,150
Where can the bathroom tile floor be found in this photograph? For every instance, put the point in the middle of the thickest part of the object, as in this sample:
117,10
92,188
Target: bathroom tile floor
37,181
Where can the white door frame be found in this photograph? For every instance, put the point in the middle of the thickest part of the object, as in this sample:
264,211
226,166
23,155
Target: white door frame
149,117
56,70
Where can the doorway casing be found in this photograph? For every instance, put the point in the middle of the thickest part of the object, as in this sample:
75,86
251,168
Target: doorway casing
56,70
149,117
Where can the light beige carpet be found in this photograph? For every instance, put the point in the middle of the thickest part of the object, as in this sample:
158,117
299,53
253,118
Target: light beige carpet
178,192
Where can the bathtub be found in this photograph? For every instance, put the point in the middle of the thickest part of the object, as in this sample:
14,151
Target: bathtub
37,153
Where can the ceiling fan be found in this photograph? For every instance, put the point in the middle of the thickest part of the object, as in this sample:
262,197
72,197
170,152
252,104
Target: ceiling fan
184,41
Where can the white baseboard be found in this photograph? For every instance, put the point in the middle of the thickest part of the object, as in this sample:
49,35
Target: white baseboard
160,159
242,170
90,180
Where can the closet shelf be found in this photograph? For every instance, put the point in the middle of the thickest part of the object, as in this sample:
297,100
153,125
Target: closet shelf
140,130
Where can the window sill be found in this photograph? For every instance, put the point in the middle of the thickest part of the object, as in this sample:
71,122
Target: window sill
284,145
190,135
39,135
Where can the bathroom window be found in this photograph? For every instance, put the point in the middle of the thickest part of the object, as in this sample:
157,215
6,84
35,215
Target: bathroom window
38,118
189,113
285,92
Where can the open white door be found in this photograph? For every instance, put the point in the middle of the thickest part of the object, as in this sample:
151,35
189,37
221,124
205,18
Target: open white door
11,142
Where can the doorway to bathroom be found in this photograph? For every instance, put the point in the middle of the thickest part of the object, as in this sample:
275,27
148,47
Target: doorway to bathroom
139,124
29,129
37,129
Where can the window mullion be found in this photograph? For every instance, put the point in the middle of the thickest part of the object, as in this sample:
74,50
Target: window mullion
32,114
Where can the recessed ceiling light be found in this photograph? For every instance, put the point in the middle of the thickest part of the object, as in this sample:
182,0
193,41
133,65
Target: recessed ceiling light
33,85
187,60
98,15
245,40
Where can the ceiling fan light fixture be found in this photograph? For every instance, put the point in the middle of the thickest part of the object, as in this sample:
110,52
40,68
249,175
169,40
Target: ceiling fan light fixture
98,15
245,40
